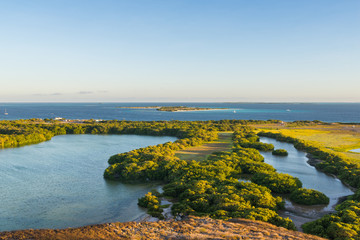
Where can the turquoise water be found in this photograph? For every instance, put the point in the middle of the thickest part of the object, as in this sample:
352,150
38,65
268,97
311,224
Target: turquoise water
328,112
59,183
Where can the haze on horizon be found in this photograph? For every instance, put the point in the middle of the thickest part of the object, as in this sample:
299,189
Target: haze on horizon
181,50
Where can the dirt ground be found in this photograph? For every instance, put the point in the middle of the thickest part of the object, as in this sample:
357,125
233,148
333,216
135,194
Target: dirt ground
224,143
191,228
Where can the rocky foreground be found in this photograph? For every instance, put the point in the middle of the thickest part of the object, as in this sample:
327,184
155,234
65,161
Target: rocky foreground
190,228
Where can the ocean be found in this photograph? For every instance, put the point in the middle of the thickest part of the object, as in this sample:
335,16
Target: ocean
327,112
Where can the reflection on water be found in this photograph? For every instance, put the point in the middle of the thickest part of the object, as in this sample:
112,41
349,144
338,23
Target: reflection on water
59,183
296,165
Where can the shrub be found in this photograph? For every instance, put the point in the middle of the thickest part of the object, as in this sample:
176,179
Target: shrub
308,197
344,224
280,152
149,201
277,182
152,203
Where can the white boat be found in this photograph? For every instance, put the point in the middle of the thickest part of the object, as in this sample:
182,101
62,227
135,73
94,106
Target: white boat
288,110
234,111
5,113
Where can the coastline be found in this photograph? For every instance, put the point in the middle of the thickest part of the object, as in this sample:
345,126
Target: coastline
174,108
202,110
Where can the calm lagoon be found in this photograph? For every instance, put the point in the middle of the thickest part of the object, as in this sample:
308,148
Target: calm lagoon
59,183
296,165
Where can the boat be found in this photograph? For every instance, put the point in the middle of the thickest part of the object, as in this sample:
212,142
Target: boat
5,113
288,110
234,111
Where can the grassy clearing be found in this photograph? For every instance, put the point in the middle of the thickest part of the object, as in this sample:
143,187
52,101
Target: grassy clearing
337,137
199,153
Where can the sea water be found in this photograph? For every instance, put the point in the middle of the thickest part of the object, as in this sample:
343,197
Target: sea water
328,112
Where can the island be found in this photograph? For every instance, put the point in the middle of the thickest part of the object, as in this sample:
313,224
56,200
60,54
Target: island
148,107
175,108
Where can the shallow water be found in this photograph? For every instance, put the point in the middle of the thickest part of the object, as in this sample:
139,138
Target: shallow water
59,183
355,150
296,165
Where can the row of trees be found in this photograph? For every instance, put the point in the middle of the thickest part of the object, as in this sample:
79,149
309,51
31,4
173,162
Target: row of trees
23,132
246,138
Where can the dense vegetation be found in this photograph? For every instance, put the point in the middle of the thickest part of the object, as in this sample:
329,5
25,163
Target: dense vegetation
248,139
22,132
277,182
345,224
308,197
280,152
209,187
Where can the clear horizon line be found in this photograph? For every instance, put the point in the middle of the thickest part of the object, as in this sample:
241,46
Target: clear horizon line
4,102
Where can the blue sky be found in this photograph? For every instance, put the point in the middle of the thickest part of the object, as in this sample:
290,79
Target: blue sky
180,50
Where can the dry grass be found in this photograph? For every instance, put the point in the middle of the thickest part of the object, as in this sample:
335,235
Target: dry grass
191,228
199,153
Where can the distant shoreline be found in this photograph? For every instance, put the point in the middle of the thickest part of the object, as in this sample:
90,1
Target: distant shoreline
150,107
174,108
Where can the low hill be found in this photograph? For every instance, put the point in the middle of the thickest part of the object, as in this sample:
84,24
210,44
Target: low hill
190,228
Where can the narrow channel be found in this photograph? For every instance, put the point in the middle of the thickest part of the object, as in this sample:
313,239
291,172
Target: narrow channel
296,165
